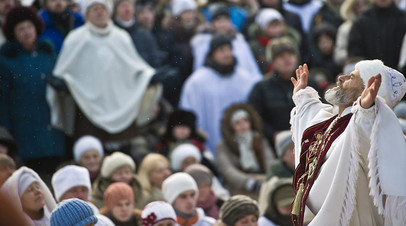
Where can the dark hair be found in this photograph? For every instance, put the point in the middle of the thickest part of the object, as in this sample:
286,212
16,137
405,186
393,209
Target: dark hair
20,14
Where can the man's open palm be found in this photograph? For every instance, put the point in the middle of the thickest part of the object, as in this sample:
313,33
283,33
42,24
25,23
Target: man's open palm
302,74
371,91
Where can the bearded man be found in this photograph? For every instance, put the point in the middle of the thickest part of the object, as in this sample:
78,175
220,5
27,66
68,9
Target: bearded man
350,166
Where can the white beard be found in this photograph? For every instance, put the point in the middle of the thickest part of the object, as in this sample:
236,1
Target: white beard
339,97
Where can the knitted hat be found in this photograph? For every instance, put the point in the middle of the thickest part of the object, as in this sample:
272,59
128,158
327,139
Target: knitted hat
266,16
25,180
20,14
103,221
393,86
72,212
116,161
116,192
85,144
68,177
280,46
181,152
217,10
156,212
217,41
400,109
87,3
325,29
179,6
282,141
238,207
176,184
284,195
200,173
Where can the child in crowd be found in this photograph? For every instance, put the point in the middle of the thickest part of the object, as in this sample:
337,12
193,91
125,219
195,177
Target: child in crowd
73,212
284,166
244,155
207,199
154,169
180,189
183,156
239,210
119,202
158,214
31,195
88,152
117,167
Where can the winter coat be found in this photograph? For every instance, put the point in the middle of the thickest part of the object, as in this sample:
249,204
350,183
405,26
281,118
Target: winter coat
279,169
135,220
23,107
52,32
101,184
228,154
368,42
144,42
272,99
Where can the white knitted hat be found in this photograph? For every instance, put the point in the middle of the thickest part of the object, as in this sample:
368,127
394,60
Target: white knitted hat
176,184
68,177
156,212
181,152
393,86
85,4
87,143
179,6
265,16
26,179
115,161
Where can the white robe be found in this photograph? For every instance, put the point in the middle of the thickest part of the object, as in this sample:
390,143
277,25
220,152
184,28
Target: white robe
105,75
368,157
208,94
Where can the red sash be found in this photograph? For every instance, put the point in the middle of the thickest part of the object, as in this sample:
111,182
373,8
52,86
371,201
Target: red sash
316,142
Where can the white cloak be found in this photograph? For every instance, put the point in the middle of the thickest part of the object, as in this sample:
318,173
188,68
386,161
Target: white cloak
105,75
363,179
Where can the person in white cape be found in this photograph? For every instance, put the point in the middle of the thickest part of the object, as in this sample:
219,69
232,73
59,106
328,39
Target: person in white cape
350,166
103,73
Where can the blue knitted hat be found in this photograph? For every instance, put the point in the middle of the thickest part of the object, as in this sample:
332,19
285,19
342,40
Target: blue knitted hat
73,212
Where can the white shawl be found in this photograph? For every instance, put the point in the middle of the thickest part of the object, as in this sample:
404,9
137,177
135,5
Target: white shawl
105,75
381,144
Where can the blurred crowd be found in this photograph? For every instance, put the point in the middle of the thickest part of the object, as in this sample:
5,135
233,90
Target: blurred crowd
167,112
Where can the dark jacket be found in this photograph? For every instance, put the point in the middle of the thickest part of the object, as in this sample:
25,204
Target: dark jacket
23,107
272,99
57,27
378,34
144,42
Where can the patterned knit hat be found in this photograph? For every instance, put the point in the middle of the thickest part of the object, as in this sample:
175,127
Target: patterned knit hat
116,192
73,212
238,207
156,212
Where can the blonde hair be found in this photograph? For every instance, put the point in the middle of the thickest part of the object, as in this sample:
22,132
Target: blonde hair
148,165
347,9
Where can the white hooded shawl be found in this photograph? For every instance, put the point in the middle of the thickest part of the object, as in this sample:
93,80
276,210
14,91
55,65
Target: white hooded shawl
105,76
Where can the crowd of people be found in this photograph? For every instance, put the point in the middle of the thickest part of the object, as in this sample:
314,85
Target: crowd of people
185,112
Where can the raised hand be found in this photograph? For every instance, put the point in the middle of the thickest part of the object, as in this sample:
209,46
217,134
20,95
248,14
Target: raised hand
302,74
369,94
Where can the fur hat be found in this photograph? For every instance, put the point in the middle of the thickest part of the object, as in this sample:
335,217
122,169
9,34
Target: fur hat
116,161
217,10
200,173
20,14
87,3
85,144
156,212
217,41
181,152
176,184
117,191
181,118
179,6
393,86
238,207
73,212
282,141
68,177
266,16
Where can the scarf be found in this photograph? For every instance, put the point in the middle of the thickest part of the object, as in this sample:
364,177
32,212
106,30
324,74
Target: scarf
187,220
222,70
248,160
100,31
